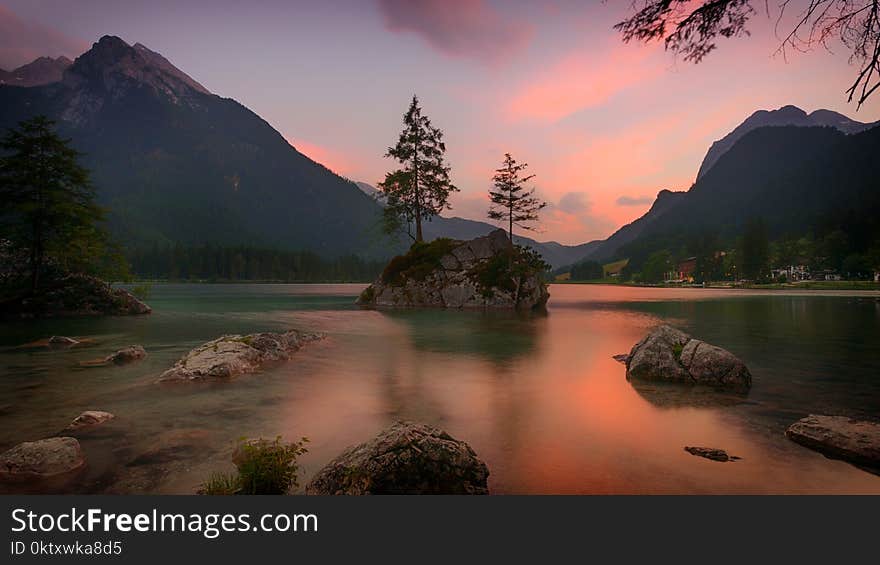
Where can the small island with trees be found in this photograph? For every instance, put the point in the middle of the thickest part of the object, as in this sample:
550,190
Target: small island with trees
489,271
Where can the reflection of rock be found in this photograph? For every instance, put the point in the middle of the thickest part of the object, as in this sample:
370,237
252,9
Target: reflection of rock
232,355
667,354
88,419
672,395
497,336
711,453
122,357
446,273
839,437
46,462
406,458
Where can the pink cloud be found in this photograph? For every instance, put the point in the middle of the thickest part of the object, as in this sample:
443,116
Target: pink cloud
580,80
334,160
459,28
21,42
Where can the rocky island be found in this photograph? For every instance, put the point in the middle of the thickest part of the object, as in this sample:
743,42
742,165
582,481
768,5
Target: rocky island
481,273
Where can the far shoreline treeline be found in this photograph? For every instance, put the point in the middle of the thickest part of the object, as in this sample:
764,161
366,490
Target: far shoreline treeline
231,264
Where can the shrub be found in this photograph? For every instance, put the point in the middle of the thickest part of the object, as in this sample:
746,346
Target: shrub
421,259
268,467
506,272
264,467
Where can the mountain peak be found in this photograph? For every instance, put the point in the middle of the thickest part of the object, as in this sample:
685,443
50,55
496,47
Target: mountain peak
114,66
40,71
788,115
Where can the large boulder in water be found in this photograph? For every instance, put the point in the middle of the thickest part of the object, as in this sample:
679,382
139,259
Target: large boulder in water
839,437
232,355
446,273
50,461
406,458
668,354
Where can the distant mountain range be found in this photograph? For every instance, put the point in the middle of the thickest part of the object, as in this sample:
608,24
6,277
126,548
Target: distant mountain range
41,71
177,164
556,254
750,173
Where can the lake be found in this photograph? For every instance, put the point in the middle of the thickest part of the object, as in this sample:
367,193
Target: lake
538,397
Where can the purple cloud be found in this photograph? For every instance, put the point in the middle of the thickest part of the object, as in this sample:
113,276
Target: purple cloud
459,28
634,200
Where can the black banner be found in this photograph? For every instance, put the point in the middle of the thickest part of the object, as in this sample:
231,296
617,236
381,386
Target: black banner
144,529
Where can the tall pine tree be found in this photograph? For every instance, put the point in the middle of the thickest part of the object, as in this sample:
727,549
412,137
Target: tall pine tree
49,208
511,201
421,189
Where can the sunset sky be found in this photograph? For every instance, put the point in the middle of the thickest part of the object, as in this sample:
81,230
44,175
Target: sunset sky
603,125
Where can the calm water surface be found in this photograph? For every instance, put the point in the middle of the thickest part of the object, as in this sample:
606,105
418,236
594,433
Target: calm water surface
538,397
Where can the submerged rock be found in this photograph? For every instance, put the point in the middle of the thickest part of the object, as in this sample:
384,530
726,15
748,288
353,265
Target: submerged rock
668,354
52,460
839,437
122,357
711,453
59,341
88,419
232,355
447,273
407,458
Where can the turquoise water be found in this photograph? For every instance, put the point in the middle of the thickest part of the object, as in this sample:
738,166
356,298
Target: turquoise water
538,397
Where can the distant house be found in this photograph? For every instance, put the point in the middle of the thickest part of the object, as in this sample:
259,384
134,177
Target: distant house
826,275
792,273
876,276
563,277
683,272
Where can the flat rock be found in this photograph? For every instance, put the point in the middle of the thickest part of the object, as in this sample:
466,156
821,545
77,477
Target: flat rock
668,354
711,453
233,355
44,460
407,458
61,341
88,419
839,437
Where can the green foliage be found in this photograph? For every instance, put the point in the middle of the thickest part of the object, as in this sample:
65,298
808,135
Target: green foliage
506,270
222,484
655,269
49,204
586,271
677,349
421,259
510,201
421,189
268,467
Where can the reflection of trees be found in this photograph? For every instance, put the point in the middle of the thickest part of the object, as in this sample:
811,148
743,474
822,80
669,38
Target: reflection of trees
496,336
